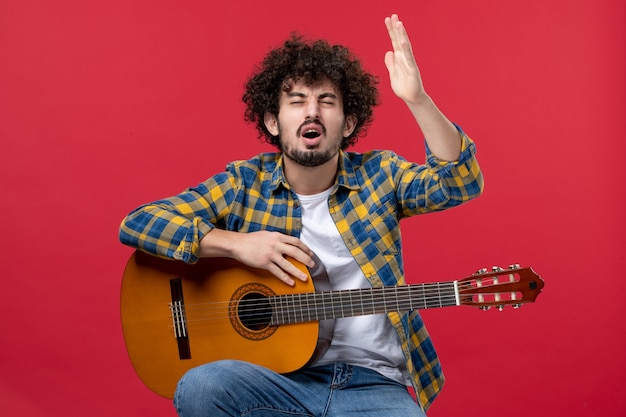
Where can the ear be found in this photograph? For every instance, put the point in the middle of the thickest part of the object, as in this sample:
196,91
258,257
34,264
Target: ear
271,123
349,125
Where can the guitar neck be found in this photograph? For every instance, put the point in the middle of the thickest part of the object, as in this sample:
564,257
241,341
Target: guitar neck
306,307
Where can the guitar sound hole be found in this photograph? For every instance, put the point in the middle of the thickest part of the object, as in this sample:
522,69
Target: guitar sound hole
255,312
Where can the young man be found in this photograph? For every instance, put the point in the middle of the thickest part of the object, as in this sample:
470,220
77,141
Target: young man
314,200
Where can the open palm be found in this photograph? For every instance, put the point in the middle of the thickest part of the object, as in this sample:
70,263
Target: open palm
404,74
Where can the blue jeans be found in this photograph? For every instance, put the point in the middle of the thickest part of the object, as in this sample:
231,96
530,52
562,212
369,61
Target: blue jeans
233,388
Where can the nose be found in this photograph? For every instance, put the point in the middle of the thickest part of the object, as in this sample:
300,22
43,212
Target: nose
312,109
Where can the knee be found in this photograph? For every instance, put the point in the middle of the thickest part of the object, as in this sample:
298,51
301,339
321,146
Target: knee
206,386
204,379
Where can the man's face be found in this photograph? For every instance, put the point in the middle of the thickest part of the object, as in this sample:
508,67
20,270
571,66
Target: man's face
310,124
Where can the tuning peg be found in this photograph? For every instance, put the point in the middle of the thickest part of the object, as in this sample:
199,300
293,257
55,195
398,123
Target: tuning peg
497,269
516,306
481,271
514,266
500,307
484,308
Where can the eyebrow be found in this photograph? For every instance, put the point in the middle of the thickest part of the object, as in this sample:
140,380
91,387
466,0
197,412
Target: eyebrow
300,94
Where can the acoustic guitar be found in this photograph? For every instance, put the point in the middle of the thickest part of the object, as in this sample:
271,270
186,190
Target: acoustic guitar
177,316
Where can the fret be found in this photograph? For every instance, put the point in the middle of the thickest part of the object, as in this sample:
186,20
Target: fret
346,300
439,294
327,302
352,302
313,307
431,295
289,307
446,294
362,303
293,311
283,310
308,308
276,310
343,305
320,307
299,308
380,300
403,298
372,301
298,298
395,289
274,304
302,309
416,296
339,298
286,309
367,301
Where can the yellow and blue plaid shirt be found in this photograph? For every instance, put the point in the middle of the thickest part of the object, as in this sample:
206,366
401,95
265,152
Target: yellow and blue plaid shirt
372,193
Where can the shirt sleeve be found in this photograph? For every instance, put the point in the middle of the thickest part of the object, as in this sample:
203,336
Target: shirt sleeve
439,185
463,177
173,227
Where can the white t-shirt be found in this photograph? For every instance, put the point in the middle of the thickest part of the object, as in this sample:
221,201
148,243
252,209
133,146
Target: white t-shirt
368,341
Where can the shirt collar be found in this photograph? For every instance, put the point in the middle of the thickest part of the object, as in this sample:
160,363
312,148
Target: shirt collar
346,176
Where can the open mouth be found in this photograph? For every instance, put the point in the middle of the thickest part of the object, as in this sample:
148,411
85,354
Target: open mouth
311,129
311,134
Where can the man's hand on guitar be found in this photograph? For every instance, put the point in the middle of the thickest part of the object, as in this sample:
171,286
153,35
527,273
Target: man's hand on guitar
263,250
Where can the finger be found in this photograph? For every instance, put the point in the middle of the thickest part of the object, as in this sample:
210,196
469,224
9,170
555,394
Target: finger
298,250
297,256
280,274
396,31
288,271
402,38
391,30
389,61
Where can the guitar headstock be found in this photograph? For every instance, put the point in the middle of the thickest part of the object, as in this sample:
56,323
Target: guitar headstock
500,287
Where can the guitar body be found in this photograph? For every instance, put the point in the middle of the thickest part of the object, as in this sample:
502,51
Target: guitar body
177,316
213,331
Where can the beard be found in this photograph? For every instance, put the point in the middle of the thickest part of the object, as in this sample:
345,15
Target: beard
312,156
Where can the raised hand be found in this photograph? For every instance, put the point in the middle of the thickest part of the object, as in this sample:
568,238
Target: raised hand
404,74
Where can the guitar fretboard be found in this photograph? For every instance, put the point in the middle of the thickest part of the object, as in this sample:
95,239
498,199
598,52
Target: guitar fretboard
306,307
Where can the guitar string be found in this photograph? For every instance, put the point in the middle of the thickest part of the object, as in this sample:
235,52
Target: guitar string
338,297
292,307
289,314
299,316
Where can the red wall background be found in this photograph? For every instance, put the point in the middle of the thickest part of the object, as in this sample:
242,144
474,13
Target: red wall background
106,105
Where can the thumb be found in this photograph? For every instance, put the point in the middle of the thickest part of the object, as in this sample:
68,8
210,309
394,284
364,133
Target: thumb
390,62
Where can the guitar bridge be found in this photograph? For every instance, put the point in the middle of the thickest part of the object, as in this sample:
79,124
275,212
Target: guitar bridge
179,319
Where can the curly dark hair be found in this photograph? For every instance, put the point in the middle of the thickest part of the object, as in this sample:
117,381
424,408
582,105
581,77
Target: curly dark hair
312,63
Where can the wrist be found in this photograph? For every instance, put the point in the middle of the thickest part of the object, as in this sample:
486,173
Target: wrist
218,243
420,103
